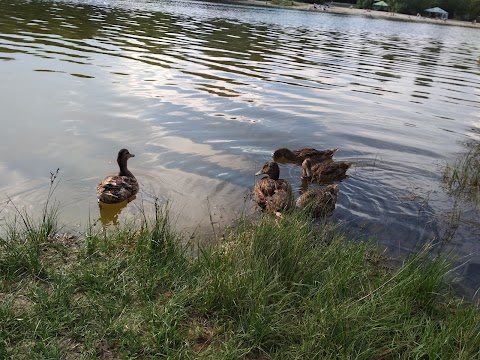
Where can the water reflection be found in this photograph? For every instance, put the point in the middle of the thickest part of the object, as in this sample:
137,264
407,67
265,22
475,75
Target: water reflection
109,213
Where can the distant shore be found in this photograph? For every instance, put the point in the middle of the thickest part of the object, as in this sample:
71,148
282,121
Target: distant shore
346,10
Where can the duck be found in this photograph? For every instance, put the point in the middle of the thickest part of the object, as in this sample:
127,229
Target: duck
299,155
320,202
117,188
324,172
272,194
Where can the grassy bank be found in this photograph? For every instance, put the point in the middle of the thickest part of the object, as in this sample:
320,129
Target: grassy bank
274,289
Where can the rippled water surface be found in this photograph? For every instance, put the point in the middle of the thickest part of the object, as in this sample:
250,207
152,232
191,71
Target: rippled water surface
203,93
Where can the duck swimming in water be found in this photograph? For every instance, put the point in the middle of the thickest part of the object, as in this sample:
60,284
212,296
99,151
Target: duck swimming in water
320,202
117,188
271,193
299,155
324,172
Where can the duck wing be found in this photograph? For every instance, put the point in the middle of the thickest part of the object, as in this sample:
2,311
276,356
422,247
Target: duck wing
273,195
330,171
282,199
314,154
115,189
263,189
305,153
320,202
324,154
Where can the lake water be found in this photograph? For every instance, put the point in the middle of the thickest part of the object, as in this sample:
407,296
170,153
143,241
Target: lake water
204,92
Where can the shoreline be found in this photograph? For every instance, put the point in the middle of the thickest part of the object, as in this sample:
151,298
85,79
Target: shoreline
288,287
375,14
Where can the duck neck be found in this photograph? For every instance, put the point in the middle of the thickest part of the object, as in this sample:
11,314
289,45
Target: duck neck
123,169
274,174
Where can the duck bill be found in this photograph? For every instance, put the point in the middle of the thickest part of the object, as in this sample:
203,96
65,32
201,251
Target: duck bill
258,173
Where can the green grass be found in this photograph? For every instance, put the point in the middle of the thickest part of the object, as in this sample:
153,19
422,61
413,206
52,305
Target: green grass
273,289
282,2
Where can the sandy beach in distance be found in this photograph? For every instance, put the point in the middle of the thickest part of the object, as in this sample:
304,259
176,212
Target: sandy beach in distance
340,8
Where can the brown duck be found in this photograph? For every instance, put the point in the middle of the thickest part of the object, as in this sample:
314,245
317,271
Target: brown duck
324,172
299,155
271,193
320,202
117,188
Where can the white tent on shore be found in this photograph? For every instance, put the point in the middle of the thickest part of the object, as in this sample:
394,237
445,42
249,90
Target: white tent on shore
438,11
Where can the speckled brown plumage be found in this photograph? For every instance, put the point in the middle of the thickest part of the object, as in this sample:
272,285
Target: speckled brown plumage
299,155
271,193
117,188
320,202
324,172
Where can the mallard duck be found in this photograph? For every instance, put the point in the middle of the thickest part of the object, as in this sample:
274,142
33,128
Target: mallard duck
320,202
324,171
117,188
301,154
271,193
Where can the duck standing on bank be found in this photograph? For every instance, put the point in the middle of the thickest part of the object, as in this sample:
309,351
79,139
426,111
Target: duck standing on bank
324,172
117,188
297,156
271,193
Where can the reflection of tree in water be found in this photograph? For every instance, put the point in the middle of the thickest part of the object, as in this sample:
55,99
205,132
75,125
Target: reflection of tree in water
134,30
210,48
67,20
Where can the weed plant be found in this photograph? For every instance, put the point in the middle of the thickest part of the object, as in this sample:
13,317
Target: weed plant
275,288
462,179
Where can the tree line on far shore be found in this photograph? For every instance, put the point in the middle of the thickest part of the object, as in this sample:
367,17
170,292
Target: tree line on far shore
468,10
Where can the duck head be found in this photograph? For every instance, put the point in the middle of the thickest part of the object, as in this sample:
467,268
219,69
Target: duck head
271,169
122,158
282,153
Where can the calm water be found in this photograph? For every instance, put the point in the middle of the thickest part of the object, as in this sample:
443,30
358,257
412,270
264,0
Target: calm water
203,93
